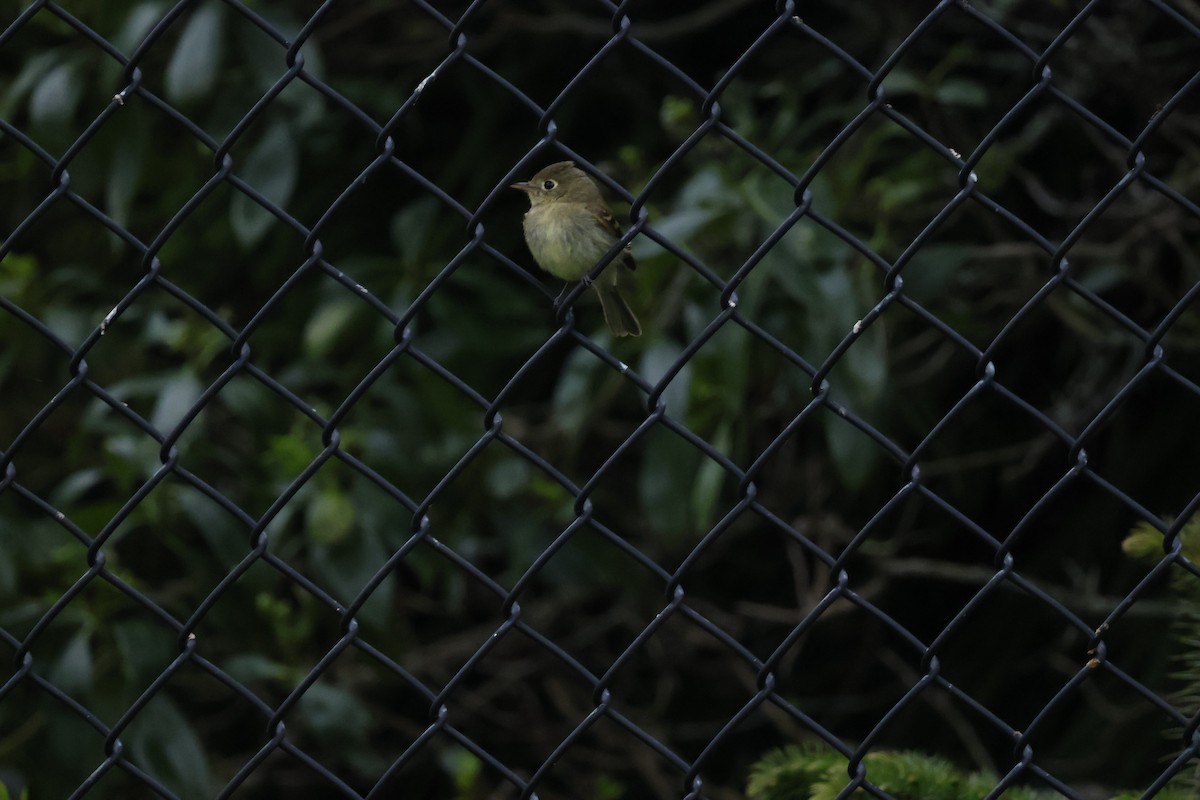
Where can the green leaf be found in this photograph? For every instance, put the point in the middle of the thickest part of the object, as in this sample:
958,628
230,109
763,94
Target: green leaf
346,566
464,767
145,648
253,668
193,67
329,517
226,537
710,477
411,228
861,378
608,788
898,192
768,197
934,268
271,167
334,713
1104,276
666,481
73,669
902,82
705,188
790,267
729,355
853,453
833,311
17,272
508,477
656,360
679,227
678,115
162,739
31,74
138,23
175,400
125,172
328,323
56,96
76,485
246,397
573,392
961,92
287,456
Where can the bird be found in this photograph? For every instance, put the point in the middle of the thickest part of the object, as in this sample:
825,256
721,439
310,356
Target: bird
569,228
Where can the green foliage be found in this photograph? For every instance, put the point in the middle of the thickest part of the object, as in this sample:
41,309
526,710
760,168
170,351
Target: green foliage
818,773
1145,542
465,769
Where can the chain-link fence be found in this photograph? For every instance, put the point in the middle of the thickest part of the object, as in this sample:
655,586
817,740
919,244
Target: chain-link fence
310,488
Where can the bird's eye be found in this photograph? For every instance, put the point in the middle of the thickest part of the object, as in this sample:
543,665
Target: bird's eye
549,185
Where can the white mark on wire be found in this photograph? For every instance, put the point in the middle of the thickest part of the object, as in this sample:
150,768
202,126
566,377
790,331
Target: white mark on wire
425,82
107,321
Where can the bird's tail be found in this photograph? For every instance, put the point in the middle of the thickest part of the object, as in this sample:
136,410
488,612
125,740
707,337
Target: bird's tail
617,312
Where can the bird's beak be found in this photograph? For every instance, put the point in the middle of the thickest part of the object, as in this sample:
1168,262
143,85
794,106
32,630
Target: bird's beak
522,186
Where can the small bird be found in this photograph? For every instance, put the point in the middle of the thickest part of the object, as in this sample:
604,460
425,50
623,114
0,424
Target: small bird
568,228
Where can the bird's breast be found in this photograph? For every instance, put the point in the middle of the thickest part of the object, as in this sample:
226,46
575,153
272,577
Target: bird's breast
565,241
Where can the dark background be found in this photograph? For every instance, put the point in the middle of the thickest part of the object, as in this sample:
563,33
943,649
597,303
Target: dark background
912,557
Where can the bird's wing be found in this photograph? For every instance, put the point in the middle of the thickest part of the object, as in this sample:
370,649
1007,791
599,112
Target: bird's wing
606,220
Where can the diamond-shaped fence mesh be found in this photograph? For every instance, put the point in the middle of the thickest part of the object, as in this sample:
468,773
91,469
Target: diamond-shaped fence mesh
309,487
